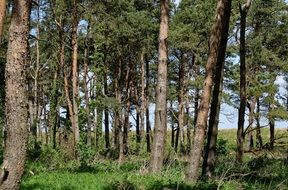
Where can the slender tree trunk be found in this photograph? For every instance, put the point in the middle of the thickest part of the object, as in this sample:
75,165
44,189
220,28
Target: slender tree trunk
250,140
143,97
272,124
106,116
16,121
2,17
241,115
201,124
177,138
181,102
117,117
53,108
147,114
172,126
86,92
160,125
75,122
259,142
210,150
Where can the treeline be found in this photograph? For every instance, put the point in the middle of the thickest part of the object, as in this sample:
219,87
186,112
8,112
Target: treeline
90,72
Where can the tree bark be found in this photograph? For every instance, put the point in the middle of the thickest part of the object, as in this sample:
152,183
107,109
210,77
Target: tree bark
147,114
250,140
241,115
16,123
106,116
160,125
181,102
210,150
86,93
201,124
74,43
2,17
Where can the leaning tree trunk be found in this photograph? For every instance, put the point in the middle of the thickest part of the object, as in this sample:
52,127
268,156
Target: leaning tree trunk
160,125
201,123
210,151
2,17
241,114
16,124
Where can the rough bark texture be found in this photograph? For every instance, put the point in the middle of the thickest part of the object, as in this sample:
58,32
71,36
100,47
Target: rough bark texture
2,17
241,115
201,123
16,123
210,151
160,125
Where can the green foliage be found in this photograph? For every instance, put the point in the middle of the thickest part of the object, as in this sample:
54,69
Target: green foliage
86,155
221,146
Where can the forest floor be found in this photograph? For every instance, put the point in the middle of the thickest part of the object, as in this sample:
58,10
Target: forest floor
262,169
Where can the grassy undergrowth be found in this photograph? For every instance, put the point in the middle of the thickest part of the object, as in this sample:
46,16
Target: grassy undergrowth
263,169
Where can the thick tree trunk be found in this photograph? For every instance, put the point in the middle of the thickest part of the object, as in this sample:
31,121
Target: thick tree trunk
2,17
160,125
259,142
201,124
16,121
210,150
241,115
74,43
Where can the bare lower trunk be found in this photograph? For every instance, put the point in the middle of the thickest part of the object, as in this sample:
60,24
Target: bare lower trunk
210,151
272,125
201,123
16,123
106,117
148,127
160,125
181,102
143,98
241,115
74,43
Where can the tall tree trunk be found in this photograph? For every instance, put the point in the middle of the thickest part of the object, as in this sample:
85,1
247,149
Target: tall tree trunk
241,115
86,92
53,107
210,150
143,97
181,102
106,116
117,118
147,114
259,142
75,122
16,121
201,124
2,17
160,125
36,78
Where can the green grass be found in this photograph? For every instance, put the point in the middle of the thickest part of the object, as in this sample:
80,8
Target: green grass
262,170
